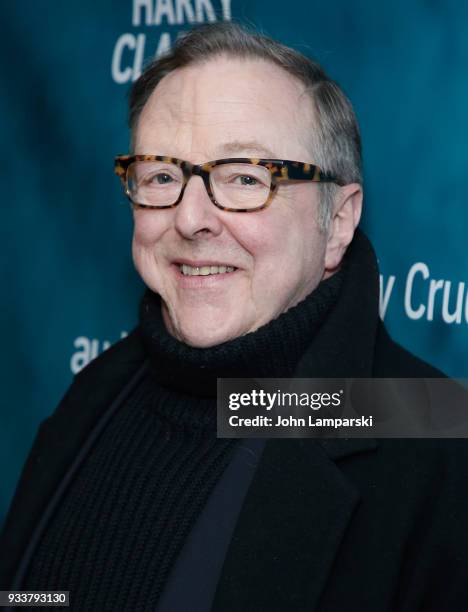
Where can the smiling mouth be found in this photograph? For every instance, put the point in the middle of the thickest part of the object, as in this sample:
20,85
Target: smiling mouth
187,270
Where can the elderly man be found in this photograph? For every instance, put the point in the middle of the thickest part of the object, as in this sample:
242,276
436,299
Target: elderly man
245,181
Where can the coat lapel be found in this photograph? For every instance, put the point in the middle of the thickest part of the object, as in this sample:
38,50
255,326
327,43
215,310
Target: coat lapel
291,525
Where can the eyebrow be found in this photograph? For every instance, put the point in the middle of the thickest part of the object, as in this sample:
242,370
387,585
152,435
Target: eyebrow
251,146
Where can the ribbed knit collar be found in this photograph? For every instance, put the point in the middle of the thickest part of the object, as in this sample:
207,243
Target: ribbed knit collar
273,350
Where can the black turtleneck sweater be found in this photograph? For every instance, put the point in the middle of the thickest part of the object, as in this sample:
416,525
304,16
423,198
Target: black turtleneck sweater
133,505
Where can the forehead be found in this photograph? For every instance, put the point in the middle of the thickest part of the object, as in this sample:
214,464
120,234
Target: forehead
225,106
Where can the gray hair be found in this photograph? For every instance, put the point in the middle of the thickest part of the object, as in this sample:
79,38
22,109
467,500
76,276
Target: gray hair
335,143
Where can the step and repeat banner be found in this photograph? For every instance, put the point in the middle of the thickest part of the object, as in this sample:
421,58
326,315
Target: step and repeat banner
69,287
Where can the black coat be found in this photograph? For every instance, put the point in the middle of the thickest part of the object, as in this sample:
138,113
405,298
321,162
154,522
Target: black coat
329,525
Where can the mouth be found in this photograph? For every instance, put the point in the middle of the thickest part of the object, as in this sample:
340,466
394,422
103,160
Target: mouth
204,269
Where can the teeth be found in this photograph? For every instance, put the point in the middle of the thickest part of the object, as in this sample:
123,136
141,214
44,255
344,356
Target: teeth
204,270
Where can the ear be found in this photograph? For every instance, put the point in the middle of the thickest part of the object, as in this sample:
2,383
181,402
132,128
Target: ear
345,218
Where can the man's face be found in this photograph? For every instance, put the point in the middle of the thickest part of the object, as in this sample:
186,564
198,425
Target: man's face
228,108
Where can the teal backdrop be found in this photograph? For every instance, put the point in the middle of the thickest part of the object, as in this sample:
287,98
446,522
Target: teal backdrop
69,287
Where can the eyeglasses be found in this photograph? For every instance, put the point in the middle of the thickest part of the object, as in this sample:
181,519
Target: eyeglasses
233,184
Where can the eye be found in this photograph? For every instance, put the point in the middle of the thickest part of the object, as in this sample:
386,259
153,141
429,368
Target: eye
240,176
246,180
162,178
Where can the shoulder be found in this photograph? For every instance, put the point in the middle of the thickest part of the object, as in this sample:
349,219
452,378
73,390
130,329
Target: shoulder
391,360
409,480
104,377
94,389
420,480
434,460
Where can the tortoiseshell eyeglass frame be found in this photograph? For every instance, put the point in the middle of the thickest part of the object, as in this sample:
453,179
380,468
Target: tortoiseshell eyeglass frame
280,170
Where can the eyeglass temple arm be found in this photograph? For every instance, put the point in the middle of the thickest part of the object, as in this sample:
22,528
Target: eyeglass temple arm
302,171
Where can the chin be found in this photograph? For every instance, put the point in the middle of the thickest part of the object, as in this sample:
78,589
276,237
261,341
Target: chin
203,339
201,334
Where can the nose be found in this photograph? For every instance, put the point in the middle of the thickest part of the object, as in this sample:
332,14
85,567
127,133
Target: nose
195,215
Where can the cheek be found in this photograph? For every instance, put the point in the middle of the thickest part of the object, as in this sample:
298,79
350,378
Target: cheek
280,242
259,234
272,250
147,233
148,228
287,253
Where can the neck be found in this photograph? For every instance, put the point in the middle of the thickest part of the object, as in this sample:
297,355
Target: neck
272,351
